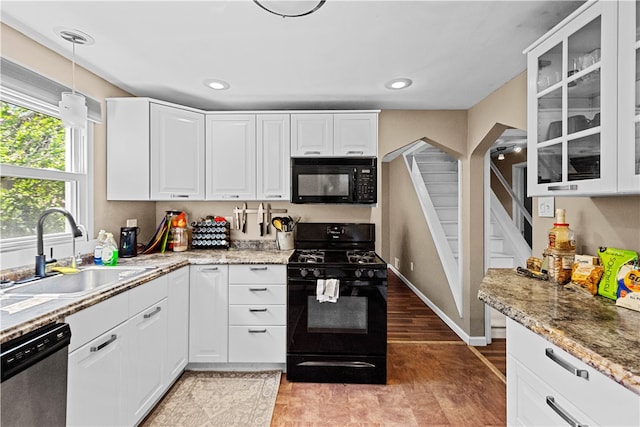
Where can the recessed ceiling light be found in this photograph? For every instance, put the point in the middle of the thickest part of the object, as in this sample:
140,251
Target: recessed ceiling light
517,149
216,84
399,83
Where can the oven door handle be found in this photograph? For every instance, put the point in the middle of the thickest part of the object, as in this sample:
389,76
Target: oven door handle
333,363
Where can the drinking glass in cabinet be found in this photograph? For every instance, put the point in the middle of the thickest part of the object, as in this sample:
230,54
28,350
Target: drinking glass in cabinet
550,115
584,158
584,49
550,68
584,102
550,164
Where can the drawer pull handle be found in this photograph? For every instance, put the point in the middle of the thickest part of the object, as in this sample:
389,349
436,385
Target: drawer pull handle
582,373
570,187
153,313
257,289
258,268
210,269
257,331
308,153
257,310
351,153
104,344
179,196
563,413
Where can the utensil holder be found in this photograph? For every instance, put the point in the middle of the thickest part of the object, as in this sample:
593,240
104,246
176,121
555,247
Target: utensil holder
284,240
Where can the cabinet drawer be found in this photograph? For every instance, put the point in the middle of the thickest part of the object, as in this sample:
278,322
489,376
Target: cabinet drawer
257,315
97,319
257,344
146,294
258,294
258,273
600,397
532,401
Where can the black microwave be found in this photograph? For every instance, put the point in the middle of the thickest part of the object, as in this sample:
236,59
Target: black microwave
338,180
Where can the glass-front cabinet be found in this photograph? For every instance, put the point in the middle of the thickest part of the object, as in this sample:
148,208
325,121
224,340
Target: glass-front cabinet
629,98
584,103
572,104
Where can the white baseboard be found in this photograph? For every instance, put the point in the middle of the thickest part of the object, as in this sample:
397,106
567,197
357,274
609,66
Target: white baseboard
478,341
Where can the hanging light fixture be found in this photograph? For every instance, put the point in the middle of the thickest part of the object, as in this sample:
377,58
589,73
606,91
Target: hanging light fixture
72,106
290,8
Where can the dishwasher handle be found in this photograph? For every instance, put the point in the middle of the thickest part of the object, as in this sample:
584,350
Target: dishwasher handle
25,351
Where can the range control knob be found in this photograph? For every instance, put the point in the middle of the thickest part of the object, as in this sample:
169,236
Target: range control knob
303,272
358,273
316,272
371,273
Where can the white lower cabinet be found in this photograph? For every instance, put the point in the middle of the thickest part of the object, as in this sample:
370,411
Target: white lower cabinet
547,386
208,308
177,324
257,313
148,355
96,383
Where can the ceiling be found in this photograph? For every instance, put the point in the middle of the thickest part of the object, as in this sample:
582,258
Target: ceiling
340,57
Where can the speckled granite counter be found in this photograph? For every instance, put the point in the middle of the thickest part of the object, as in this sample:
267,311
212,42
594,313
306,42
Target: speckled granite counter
51,309
592,329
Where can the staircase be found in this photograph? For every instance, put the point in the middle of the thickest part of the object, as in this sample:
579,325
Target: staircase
436,179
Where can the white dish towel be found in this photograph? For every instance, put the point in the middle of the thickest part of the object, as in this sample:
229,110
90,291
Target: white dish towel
328,290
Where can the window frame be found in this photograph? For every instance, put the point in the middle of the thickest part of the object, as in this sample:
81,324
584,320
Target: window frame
79,183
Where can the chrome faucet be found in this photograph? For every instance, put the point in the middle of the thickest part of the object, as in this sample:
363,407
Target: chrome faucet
40,257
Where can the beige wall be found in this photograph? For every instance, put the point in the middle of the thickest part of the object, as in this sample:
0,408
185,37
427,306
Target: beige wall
108,215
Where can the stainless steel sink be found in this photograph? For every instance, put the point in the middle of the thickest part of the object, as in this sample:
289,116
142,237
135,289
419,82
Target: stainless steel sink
71,285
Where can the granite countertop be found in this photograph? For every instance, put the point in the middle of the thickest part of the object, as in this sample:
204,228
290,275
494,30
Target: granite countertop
591,328
42,310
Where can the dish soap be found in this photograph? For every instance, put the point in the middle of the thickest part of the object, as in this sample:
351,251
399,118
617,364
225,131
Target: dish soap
97,252
110,251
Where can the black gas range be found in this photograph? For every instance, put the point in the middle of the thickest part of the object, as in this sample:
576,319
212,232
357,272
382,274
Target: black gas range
341,338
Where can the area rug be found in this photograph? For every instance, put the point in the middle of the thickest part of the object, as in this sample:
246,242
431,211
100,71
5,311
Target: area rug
205,398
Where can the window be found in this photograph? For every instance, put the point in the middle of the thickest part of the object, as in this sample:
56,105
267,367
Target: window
43,164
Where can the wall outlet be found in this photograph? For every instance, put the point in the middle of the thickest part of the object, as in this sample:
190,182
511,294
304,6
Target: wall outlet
546,207
396,263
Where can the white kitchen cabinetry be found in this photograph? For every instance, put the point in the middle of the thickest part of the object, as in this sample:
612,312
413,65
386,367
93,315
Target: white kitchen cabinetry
97,366
208,311
178,324
231,157
629,98
177,153
257,313
155,150
148,346
583,126
339,134
273,154
547,386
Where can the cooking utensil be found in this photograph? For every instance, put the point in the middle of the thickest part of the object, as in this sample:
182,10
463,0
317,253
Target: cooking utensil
236,213
261,218
277,223
286,223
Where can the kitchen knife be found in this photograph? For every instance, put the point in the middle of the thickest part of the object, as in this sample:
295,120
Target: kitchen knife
268,222
261,218
244,217
236,214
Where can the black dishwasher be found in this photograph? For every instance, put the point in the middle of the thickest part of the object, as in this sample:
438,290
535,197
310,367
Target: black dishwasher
34,377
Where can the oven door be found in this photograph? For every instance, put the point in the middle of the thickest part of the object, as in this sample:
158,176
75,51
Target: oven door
354,325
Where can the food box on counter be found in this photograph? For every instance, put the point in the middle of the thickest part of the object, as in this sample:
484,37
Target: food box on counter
629,289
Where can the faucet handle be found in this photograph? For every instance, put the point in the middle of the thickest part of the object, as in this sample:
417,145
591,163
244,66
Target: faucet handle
83,231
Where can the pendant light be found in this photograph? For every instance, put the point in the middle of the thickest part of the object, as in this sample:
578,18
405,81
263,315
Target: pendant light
290,8
72,106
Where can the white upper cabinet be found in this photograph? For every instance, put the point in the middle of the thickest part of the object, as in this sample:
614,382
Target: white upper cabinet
355,134
582,107
629,98
334,134
273,169
155,151
572,103
177,153
231,157
311,135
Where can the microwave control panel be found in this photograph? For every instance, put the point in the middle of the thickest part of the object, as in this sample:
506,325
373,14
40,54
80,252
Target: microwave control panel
365,191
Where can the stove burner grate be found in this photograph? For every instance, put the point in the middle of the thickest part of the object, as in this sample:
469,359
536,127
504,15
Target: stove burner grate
361,257
311,256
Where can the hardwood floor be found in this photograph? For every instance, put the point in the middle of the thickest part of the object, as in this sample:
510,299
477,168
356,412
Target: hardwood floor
433,378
